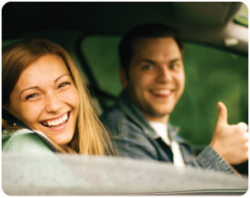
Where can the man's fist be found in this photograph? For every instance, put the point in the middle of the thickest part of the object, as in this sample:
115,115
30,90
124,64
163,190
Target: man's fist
230,141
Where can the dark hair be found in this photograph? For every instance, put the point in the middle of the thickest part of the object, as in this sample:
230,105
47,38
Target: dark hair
151,30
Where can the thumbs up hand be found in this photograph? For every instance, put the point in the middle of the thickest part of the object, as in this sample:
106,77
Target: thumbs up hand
230,141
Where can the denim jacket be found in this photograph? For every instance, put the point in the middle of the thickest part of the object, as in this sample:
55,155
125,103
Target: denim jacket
135,138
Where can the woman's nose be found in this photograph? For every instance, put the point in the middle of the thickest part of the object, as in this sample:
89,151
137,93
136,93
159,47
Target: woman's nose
54,103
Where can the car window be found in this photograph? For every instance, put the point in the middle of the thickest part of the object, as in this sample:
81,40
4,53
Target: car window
212,75
7,42
242,16
65,174
102,57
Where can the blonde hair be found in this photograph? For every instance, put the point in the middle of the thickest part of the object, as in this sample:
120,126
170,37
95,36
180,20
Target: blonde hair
90,137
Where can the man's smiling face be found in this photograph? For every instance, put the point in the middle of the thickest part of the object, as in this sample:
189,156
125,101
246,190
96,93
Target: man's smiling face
156,77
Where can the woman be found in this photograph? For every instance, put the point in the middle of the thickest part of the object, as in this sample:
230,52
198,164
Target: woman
42,87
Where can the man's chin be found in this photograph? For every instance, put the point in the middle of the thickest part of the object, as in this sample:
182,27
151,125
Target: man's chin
161,112
158,115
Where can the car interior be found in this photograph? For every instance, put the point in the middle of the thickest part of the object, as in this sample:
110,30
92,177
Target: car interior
215,57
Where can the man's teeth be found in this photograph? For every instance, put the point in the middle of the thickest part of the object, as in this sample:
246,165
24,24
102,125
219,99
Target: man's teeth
56,122
166,91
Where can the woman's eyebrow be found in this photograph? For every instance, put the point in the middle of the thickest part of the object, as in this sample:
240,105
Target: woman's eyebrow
36,87
61,77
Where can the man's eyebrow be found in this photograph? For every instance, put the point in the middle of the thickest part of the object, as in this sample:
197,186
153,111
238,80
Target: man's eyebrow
153,62
175,60
148,61
36,87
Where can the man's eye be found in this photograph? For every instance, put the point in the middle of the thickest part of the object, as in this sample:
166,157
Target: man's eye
31,96
173,66
64,84
147,67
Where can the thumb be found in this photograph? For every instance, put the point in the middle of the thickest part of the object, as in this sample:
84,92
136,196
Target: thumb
222,114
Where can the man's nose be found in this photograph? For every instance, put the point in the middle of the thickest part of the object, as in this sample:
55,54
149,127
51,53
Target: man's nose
53,103
164,74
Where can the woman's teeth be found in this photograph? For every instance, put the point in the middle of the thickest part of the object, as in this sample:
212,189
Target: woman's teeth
56,122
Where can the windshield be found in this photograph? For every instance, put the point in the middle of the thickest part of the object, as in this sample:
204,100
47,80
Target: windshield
58,174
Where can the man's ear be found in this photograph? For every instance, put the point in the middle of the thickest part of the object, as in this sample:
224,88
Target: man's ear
123,77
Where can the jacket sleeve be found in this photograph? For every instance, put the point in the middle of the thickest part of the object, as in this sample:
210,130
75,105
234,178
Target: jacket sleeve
207,159
210,159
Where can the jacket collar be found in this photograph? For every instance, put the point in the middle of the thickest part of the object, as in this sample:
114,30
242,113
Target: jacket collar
133,113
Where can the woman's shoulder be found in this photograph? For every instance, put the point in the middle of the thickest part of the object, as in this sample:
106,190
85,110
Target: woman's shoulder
23,141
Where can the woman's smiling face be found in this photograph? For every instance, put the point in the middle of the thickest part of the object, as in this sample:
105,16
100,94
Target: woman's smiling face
45,99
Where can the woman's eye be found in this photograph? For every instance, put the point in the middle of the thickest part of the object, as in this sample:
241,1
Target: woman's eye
64,84
31,96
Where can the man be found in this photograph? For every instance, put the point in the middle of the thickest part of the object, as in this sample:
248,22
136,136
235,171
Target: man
153,78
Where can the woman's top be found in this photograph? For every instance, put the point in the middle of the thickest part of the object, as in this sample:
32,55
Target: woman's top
23,140
45,170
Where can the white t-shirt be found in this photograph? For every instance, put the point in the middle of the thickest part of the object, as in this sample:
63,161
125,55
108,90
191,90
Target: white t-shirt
162,131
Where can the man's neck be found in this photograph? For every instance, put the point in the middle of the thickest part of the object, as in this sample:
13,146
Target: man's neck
163,119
